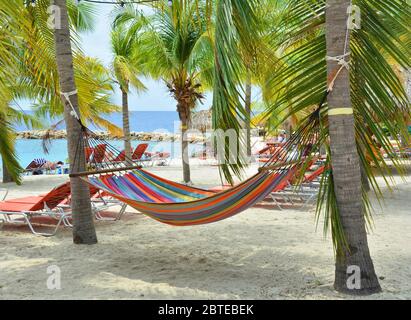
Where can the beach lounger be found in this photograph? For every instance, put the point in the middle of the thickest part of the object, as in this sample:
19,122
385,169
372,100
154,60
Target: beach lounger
37,206
35,164
403,152
264,155
101,202
3,194
304,195
140,156
99,153
88,151
159,158
121,157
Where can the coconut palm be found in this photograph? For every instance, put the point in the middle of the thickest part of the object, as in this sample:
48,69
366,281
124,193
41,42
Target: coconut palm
31,49
29,71
83,227
125,68
178,49
373,90
345,162
377,96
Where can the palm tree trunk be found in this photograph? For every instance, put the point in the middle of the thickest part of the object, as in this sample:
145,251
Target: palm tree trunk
6,175
183,112
126,125
346,166
83,223
184,155
247,105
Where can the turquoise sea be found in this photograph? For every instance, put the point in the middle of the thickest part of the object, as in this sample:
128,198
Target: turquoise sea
145,121
140,121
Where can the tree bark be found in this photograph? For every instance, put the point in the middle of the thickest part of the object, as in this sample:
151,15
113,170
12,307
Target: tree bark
83,220
7,178
247,105
184,114
126,125
346,165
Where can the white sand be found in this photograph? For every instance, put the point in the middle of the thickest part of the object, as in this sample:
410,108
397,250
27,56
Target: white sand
259,254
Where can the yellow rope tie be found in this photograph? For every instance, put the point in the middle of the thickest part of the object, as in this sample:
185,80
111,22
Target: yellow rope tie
340,111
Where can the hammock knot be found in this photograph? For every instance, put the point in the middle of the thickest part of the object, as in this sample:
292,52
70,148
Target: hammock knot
340,59
73,111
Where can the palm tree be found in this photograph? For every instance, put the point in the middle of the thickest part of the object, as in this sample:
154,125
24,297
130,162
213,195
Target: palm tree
83,230
178,49
373,90
346,163
125,67
28,71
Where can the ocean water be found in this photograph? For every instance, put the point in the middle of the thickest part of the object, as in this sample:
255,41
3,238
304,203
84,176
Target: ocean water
140,121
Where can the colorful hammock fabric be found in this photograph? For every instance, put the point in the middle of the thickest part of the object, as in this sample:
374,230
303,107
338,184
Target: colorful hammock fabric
141,185
176,204
180,205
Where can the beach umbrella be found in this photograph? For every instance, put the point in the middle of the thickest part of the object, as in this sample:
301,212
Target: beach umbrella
201,120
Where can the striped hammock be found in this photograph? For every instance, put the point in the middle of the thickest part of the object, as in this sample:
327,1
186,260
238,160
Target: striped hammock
180,205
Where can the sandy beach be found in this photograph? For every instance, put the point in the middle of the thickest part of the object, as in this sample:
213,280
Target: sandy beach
263,253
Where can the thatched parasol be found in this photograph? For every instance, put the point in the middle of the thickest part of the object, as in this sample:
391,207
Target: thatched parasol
201,120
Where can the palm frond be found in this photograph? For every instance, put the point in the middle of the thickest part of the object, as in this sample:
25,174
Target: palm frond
235,28
378,95
7,150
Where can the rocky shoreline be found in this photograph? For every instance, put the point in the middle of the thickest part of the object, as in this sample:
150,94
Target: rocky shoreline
140,136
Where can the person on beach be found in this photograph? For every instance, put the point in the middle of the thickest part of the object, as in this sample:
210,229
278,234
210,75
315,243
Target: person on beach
49,165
